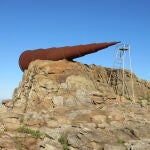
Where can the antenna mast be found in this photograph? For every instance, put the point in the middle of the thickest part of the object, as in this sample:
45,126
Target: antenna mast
117,75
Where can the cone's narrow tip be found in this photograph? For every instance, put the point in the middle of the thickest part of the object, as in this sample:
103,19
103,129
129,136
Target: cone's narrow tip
113,43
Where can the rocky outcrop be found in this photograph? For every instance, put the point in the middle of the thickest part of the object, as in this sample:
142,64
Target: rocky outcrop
68,105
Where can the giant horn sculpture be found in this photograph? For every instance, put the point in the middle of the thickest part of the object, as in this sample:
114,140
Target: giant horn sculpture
67,52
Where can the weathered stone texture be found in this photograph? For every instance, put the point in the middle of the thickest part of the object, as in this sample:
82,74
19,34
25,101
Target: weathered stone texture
74,102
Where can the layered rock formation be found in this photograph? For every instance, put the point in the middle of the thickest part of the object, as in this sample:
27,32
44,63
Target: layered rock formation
68,105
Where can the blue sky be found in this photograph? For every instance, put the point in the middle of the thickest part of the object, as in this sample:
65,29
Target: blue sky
31,24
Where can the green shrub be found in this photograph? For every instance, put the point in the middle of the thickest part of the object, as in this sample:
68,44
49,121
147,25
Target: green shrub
35,133
64,142
120,141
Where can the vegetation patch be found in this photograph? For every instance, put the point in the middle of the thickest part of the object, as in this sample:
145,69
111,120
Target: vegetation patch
120,141
18,142
19,146
34,133
63,140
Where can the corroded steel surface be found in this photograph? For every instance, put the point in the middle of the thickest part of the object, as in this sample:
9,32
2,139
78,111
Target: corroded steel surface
67,52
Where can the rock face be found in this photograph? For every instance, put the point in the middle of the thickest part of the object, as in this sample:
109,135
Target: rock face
68,105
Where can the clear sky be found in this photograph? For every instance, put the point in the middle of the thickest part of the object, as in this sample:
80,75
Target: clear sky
32,24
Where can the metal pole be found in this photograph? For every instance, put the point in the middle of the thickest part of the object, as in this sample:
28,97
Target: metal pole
123,77
132,83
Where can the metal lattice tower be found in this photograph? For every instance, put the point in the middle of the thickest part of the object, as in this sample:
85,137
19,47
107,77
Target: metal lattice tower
117,75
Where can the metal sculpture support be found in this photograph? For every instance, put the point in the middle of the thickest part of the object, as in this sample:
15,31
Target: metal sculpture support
68,52
117,76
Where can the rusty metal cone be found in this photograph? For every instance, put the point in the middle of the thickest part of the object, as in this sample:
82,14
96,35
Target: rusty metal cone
68,52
